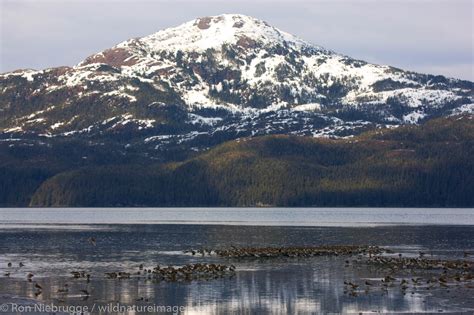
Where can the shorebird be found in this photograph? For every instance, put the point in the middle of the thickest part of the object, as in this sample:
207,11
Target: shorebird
415,281
353,285
442,279
6,274
21,264
92,241
124,275
111,275
9,264
86,293
64,290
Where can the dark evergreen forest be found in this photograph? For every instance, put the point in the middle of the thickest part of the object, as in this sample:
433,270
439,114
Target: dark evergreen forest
429,165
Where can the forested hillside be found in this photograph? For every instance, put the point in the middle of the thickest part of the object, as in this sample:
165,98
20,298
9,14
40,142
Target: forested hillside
426,165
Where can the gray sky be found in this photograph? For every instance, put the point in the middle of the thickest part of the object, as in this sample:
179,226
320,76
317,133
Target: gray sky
430,36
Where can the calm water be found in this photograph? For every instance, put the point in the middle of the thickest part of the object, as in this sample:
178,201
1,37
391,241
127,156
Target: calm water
53,242
241,216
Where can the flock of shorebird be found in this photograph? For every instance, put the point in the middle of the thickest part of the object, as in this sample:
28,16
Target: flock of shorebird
443,273
414,273
290,252
29,276
189,272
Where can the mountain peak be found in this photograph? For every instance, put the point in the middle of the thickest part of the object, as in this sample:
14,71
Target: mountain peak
213,31
198,35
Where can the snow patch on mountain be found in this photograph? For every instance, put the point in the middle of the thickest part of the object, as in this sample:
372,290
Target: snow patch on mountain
464,109
307,107
197,119
414,117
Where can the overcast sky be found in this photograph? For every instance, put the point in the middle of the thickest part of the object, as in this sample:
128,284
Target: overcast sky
430,36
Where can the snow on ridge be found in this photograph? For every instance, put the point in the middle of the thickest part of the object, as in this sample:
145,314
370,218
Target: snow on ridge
122,92
27,74
307,107
13,129
159,137
412,97
128,118
414,117
198,119
33,115
56,125
212,32
464,109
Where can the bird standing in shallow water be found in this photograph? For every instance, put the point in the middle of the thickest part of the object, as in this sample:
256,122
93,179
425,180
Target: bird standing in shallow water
64,289
92,241
86,293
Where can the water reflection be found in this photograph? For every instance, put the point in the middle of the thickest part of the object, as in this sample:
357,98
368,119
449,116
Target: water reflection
277,286
284,287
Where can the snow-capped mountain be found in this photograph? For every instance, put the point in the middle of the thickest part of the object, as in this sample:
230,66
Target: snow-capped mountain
219,78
